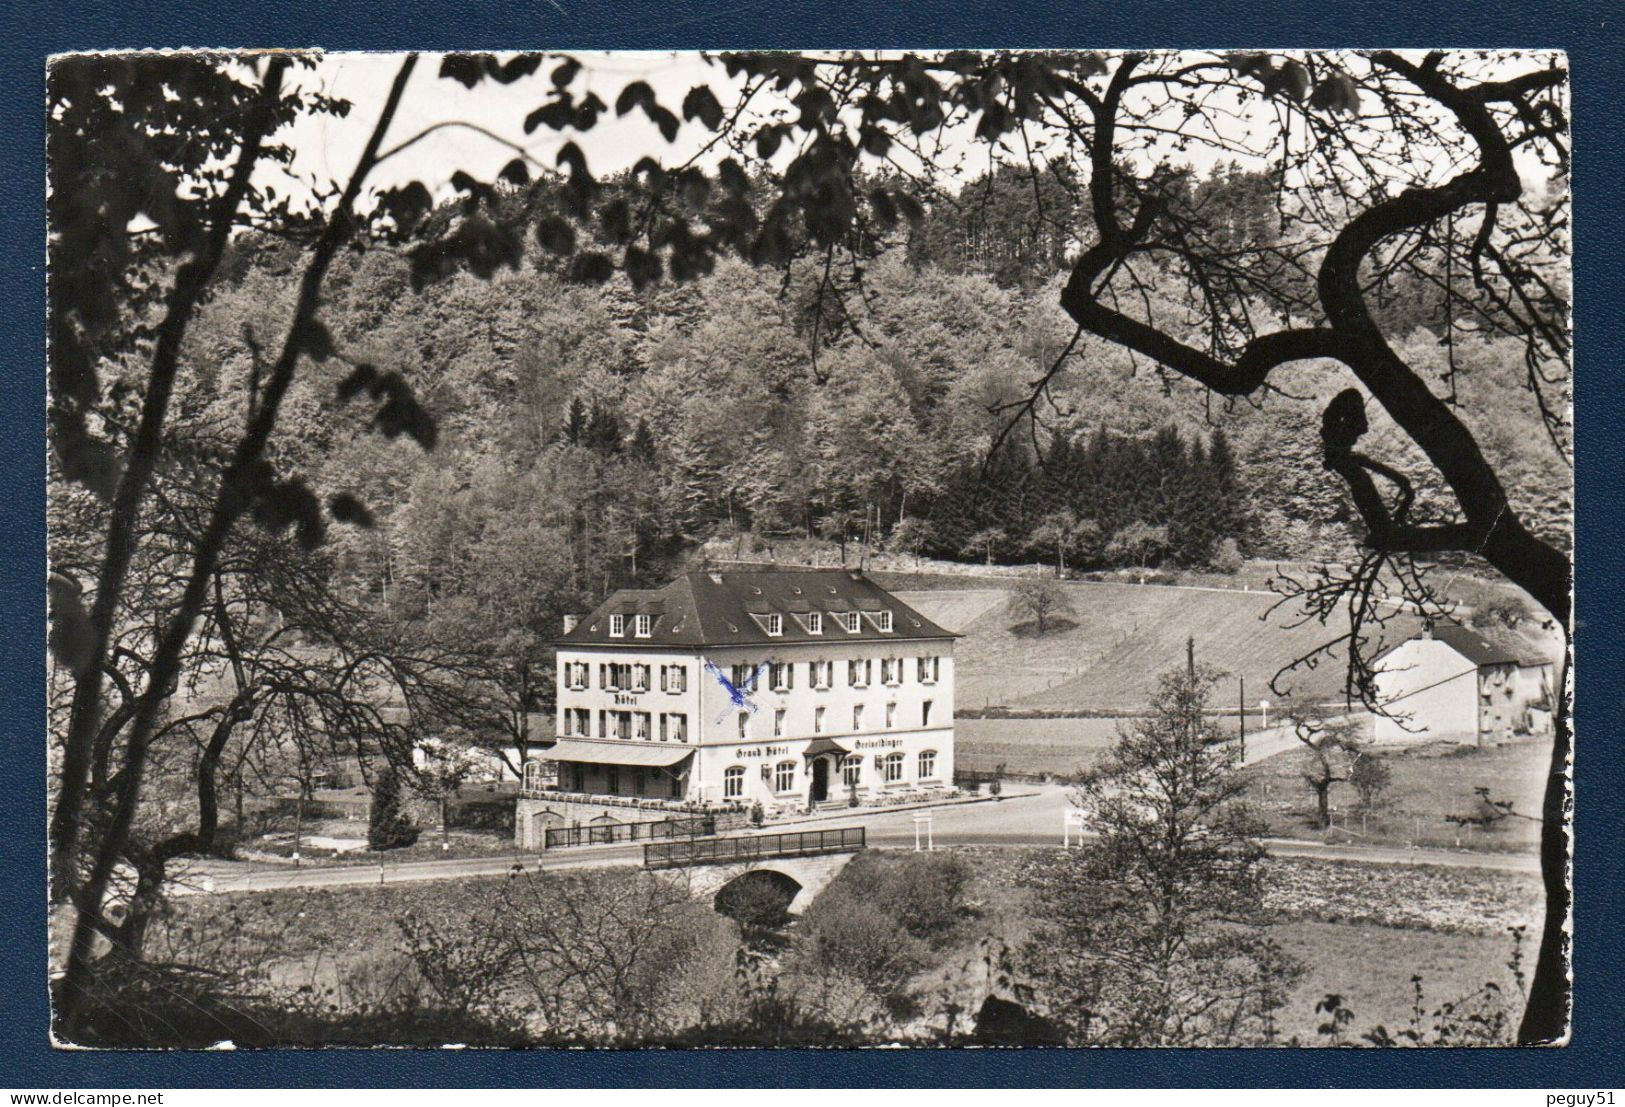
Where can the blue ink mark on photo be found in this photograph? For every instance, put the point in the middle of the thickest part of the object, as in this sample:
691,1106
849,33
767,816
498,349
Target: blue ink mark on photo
737,696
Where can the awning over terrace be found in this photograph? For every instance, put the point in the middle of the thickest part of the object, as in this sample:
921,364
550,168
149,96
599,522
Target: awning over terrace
633,752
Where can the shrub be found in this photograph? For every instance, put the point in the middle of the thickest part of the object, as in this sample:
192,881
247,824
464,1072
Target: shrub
387,824
922,892
1227,557
845,937
758,904
1370,777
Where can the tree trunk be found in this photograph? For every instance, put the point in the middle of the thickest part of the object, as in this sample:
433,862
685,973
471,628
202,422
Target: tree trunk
1323,805
1546,1017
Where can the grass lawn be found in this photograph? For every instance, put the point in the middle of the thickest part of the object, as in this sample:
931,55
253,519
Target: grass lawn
1371,968
343,842
1428,783
1121,637
1032,746
1360,930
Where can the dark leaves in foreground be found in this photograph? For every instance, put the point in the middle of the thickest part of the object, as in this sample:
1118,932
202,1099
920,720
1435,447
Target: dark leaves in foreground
399,412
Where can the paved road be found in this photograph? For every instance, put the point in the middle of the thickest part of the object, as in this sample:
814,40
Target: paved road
1033,817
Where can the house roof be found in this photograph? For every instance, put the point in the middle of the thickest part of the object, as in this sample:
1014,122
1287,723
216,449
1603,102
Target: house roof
733,607
1488,647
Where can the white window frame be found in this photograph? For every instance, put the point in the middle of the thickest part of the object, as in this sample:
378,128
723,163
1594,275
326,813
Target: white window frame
640,678
778,723
775,625
744,726
891,768
640,725
853,621
821,675
891,715
617,626
733,782
818,720
679,730
643,626
851,770
927,764
784,777
815,622
782,674
883,620
857,716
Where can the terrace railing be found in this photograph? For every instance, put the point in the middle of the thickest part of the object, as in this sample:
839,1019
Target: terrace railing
610,833
756,847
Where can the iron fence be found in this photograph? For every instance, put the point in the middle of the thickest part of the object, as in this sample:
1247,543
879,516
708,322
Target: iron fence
757,847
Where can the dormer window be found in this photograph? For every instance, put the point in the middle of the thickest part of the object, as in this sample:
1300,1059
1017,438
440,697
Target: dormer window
883,621
853,621
775,625
617,626
643,626
815,623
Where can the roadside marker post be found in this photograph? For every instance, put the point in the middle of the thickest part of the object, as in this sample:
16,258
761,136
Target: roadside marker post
1072,821
923,818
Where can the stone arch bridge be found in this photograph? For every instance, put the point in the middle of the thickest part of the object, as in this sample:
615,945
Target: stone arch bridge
800,864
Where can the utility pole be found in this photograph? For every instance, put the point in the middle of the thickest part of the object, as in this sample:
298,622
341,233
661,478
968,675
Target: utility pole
1241,717
1190,671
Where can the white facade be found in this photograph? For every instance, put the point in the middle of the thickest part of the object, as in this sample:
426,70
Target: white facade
816,721
1430,691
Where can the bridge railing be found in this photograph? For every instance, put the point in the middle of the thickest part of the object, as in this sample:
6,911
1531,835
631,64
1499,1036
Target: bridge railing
756,847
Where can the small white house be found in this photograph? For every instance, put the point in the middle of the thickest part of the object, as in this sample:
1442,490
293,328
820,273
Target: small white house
1459,685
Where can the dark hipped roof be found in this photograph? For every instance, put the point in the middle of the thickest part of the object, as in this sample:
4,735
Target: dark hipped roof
729,607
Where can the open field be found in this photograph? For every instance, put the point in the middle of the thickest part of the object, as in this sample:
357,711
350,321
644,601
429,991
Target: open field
1032,746
1428,783
1121,638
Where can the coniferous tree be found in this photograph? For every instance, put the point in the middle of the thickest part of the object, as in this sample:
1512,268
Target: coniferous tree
388,826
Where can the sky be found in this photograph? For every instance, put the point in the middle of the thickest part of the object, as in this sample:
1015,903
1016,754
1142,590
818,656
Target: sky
326,149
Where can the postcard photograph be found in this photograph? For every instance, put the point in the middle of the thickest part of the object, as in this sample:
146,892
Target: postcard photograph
840,548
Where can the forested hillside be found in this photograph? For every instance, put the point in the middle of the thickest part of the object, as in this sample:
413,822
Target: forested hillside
591,435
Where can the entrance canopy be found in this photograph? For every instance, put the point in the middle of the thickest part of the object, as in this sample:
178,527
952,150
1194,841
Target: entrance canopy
823,745
638,754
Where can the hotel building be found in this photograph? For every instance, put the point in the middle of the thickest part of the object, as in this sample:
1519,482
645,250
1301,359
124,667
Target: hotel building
784,687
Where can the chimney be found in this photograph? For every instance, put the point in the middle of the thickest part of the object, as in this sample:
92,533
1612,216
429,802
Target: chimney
570,622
